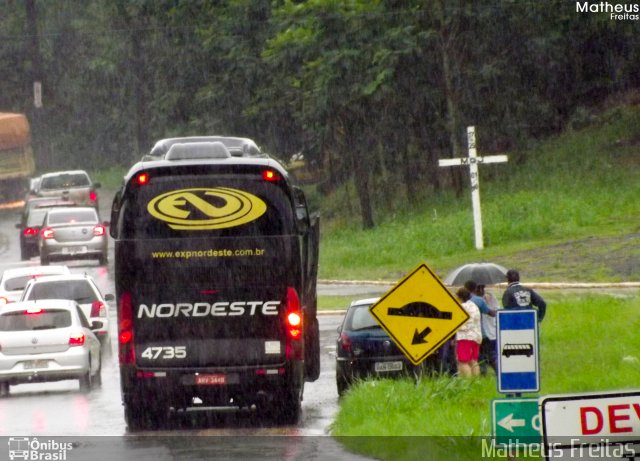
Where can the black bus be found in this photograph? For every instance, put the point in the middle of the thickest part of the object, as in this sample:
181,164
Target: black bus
216,258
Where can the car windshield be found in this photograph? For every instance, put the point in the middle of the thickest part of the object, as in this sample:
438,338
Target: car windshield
64,181
78,290
39,320
74,216
361,319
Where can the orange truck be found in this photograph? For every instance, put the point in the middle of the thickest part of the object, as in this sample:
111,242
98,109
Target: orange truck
16,156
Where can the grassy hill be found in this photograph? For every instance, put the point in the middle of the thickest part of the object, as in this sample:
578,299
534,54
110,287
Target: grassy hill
568,209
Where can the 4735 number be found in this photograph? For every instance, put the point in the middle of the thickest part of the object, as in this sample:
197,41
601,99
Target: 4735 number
165,352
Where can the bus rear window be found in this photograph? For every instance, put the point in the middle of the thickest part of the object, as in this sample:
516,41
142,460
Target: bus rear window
191,206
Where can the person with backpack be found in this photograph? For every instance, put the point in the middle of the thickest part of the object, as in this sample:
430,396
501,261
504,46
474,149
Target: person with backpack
518,296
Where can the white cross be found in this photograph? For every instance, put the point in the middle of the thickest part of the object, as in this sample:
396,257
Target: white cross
473,160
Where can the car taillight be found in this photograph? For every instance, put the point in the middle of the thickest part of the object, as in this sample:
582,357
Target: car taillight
98,309
345,343
93,196
46,233
76,339
29,231
34,310
293,325
126,351
99,230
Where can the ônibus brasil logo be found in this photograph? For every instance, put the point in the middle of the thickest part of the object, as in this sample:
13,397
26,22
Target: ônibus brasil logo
206,208
41,450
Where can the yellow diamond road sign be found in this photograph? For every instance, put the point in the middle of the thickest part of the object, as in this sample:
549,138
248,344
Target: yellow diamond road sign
419,314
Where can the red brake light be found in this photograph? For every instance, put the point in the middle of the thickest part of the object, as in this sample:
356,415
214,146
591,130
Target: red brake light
126,337
76,339
99,230
294,321
98,309
270,175
293,314
93,196
126,316
345,342
46,233
34,310
125,330
142,179
28,231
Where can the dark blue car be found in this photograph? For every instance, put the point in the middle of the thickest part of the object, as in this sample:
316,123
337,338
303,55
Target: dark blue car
364,350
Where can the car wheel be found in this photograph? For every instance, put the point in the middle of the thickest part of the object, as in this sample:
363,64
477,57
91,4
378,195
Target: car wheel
85,382
96,381
4,389
25,254
105,346
342,384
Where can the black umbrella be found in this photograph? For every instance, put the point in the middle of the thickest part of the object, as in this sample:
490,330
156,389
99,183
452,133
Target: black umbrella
481,273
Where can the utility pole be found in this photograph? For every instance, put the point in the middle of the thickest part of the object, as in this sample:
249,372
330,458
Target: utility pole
38,122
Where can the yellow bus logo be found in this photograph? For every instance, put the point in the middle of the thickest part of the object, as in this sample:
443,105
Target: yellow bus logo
206,208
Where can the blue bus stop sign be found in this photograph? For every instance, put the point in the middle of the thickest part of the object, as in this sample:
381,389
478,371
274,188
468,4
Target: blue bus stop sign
518,357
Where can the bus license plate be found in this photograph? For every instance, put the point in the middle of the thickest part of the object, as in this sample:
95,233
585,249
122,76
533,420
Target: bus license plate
388,366
211,380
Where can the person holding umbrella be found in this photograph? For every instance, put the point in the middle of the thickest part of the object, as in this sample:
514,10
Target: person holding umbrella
517,296
488,352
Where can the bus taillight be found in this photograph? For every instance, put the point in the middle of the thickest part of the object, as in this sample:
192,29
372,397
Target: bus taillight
293,325
126,352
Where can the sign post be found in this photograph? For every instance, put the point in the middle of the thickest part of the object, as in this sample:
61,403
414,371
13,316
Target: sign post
419,314
518,359
473,160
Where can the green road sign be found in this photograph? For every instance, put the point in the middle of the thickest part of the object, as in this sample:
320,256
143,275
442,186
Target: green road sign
516,421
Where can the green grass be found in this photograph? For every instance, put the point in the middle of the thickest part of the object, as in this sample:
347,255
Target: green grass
587,343
574,192
335,302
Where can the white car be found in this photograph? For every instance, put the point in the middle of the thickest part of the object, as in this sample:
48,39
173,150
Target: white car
47,340
14,280
80,288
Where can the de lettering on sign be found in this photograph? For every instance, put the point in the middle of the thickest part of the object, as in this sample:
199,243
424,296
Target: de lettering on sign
612,419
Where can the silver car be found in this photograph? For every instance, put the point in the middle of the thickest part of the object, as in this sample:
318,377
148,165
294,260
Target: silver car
47,340
72,233
73,185
82,289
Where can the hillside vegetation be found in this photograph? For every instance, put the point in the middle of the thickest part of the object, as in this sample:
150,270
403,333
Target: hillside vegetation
565,210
